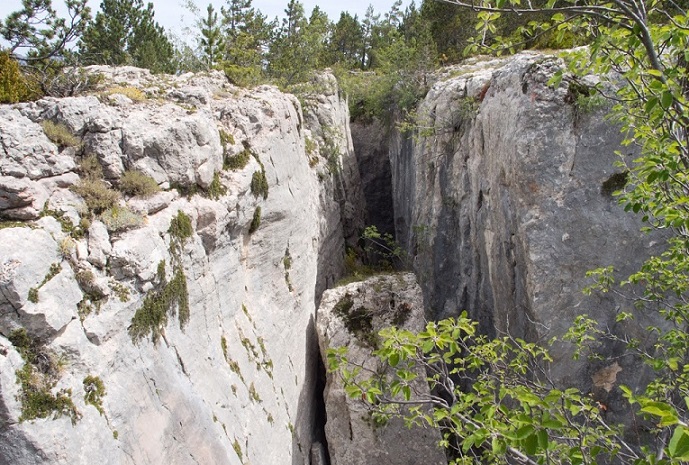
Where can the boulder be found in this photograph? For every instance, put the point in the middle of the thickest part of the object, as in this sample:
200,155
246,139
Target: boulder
353,436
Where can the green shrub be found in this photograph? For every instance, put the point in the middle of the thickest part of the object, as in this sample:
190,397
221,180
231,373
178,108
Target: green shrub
237,162
118,219
226,138
181,227
243,76
90,168
97,195
13,85
94,390
33,295
216,189
60,134
256,221
259,184
135,183
37,378
152,317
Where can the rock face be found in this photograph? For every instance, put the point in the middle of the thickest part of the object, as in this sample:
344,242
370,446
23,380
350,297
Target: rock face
507,203
353,437
226,373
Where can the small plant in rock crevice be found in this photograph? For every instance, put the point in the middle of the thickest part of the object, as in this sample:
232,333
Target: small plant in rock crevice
216,189
170,297
37,379
255,221
54,270
94,391
136,183
60,134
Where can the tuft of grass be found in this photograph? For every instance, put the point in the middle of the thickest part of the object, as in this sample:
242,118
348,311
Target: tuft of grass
136,95
33,295
253,393
118,219
226,138
135,183
60,134
238,450
256,221
90,168
97,195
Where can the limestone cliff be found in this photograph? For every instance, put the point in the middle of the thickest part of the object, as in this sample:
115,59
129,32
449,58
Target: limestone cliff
177,328
504,201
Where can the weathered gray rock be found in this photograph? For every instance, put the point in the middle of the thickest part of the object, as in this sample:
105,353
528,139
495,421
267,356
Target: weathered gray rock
235,384
27,255
504,207
26,150
99,246
352,436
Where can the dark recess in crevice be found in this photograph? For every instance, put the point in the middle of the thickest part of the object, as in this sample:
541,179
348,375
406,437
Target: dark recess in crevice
321,416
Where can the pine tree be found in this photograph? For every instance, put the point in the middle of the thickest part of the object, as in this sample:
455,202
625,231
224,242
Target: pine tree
299,46
124,32
36,33
247,34
346,41
212,42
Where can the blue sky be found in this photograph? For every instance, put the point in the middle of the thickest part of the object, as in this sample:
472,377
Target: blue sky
169,13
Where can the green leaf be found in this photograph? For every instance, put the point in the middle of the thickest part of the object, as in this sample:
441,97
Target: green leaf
650,104
542,439
678,446
530,444
394,359
666,99
659,409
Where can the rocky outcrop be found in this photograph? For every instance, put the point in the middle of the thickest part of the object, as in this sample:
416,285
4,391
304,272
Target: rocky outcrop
506,202
179,326
329,146
350,316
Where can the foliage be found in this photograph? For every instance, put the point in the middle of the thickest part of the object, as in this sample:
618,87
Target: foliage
247,34
385,249
37,379
133,93
124,32
170,297
136,183
255,221
60,134
13,85
90,168
212,42
94,391
181,227
216,189
119,219
491,399
97,195
37,34
259,182
151,318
